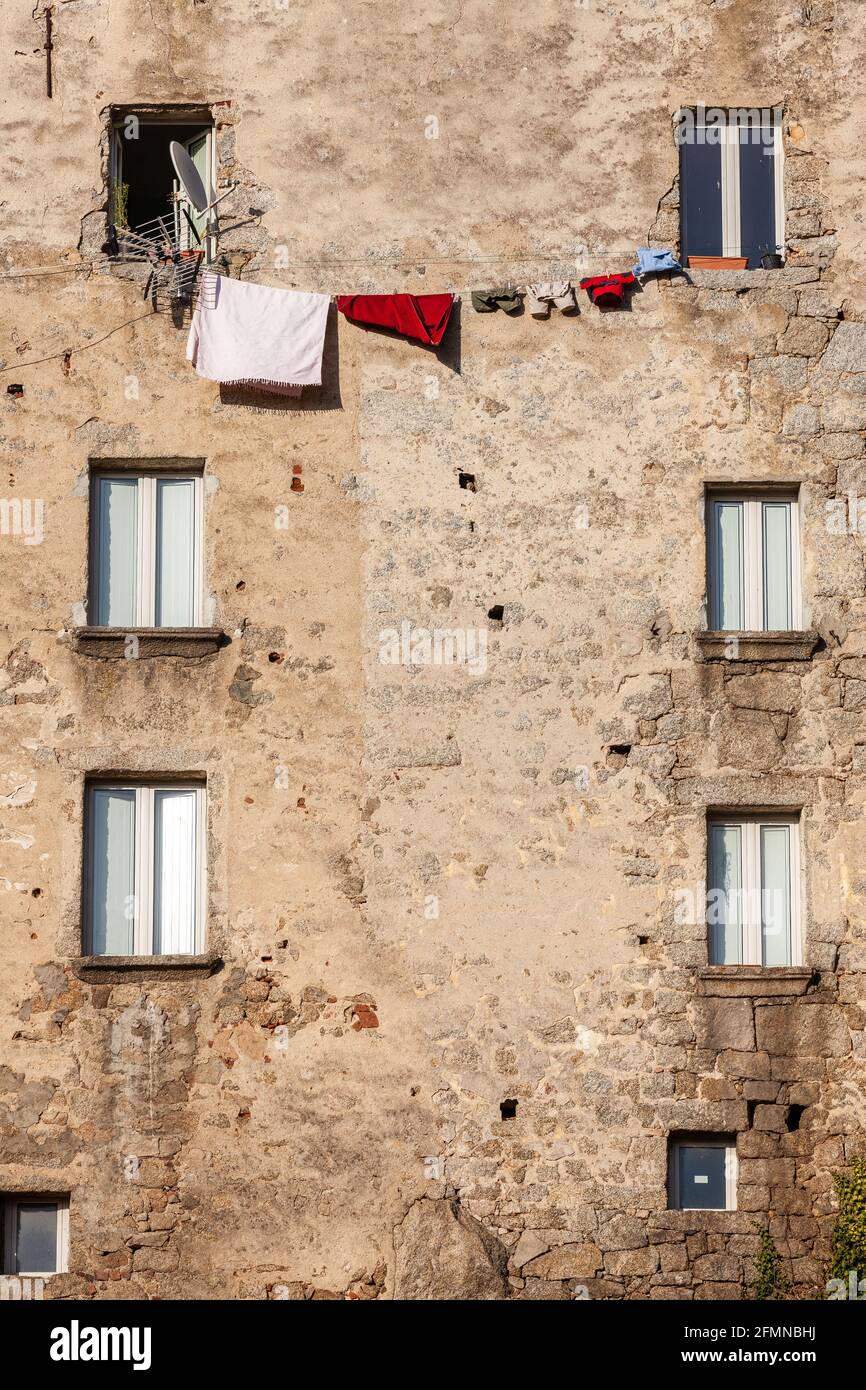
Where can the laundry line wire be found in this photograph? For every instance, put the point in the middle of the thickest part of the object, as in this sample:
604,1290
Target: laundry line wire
82,347
415,262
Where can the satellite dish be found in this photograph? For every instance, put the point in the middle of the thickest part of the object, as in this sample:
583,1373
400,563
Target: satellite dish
189,176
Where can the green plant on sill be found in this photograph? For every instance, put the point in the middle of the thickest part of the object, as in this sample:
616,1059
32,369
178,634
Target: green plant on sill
848,1241
770,1279
120,204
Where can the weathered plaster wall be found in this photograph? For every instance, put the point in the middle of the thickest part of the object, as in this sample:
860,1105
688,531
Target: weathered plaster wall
483,866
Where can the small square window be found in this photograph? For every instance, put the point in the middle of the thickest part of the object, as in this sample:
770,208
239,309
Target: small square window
753,563
702,1172
35,1234
146,549
144,888
753,889
731,183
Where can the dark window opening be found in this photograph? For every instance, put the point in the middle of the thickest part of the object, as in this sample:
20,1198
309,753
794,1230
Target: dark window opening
496,613
143,181
793,1117
467,481
508,1109
702,1172
731,186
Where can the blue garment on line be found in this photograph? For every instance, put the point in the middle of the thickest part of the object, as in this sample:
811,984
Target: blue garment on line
650,262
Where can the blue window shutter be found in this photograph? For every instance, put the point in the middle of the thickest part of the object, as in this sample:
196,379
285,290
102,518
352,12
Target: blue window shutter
701,199
757,194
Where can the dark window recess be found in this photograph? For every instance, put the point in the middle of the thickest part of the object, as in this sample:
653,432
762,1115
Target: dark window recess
757,198
496,613
508,1109
793,1117
704,170
467,480
701,199
142,168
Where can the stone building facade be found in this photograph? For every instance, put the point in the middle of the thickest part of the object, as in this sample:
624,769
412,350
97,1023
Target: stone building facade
448,1013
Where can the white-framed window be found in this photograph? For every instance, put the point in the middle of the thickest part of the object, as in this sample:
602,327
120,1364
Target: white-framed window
143,182
35,1233
753,562
144,868
146,561
753,889
732,196
702,1172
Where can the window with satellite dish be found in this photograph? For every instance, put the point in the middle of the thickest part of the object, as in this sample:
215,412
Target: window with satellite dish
163,176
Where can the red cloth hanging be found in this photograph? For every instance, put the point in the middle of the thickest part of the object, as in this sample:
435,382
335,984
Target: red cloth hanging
607,289
422,316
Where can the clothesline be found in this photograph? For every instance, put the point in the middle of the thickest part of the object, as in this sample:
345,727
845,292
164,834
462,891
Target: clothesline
271,339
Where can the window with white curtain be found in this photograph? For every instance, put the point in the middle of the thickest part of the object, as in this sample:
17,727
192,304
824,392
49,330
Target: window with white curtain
146,550
753,890
145,869
35,1233
753,563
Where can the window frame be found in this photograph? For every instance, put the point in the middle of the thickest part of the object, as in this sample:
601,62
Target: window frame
11,1202
203,125
144,888
728,1142
750,824
752,501
145,536
729,143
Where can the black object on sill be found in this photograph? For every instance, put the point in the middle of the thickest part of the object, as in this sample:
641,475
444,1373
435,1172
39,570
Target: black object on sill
771,260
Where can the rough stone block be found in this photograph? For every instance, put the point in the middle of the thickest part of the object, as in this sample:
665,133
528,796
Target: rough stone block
802,1029
724,1024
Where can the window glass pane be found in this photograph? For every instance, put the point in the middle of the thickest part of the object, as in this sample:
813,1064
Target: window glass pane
116,559
776,524
701,192
175,888
727,583
175,552
36,1238
702,1176
112,860
725,899
776,894
757,193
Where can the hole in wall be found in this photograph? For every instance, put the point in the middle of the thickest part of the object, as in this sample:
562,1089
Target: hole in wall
750,1111
793,1118
508,1109
496,613
467,481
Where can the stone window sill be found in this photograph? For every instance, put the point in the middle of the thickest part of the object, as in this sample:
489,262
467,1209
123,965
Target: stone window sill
122,969
782,277
113,643
741,981
757,646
